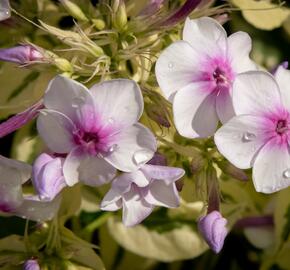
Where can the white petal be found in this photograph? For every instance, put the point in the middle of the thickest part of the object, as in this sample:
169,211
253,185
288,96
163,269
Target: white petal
206,36
34,209
224,105
56,130
112,201
162,194
118,101
271,170
23,169
240,139
71,165
135,146
282,77
95,171
255,92
176,67
195,112
239,48
135,209
64,94
168,174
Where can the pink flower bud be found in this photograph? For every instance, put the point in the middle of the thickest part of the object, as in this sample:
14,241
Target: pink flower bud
31,265
23,54
213,229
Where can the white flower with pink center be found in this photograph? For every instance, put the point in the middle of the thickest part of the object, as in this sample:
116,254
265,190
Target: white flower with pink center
197,73
259,135
97,129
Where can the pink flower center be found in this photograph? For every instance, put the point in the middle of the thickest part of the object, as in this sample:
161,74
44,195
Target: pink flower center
220,76
282,127
5,208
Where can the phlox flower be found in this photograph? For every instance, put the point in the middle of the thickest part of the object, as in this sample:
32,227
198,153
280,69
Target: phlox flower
259,135
12,200
96,130
140,191
196,75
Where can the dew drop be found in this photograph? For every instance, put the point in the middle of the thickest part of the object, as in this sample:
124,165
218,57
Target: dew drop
142,156
286,173
112,148
4,14
78,101
249,136
170,65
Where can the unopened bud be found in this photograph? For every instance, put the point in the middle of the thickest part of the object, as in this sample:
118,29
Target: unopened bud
213,229
222,18
23,54
74,10
31,265
99,24
197,164
63,64
120,15
234,172
157,114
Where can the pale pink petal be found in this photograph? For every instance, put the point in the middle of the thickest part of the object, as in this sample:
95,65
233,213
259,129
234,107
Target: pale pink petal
255,92
119,101
194,111
135,209
240,139
34,209
112,201
176,67
72,164
224,105
56,130
94,171
137,177
168,174
122,183
135,146
162,194
271,170
239,48
282,77
65,95
206,36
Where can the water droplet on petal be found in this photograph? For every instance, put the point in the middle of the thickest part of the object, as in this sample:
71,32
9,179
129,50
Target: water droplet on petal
170,65
4,14
78,101
249,136
112,148
111,120
286,173
142,156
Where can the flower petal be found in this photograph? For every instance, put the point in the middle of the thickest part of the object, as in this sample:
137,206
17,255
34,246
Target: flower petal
240,139
255,92
135,146
118,101
224,105
56,130
112,201
206,36
282,77
34,209
168,174
64,95
191,106
135,209
176,68
239,48
94,171
162,194
271,170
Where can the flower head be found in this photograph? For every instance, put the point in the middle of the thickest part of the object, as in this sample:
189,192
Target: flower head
259,135
213,229
97,129
12,200
197,73
140,191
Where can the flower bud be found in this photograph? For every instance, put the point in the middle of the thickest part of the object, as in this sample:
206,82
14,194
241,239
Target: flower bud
234,172
152,7
120,16
47,176
222,18
23,54
158,115
99,24
74,10
5,12
31,264
213,229
197,163
63,64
